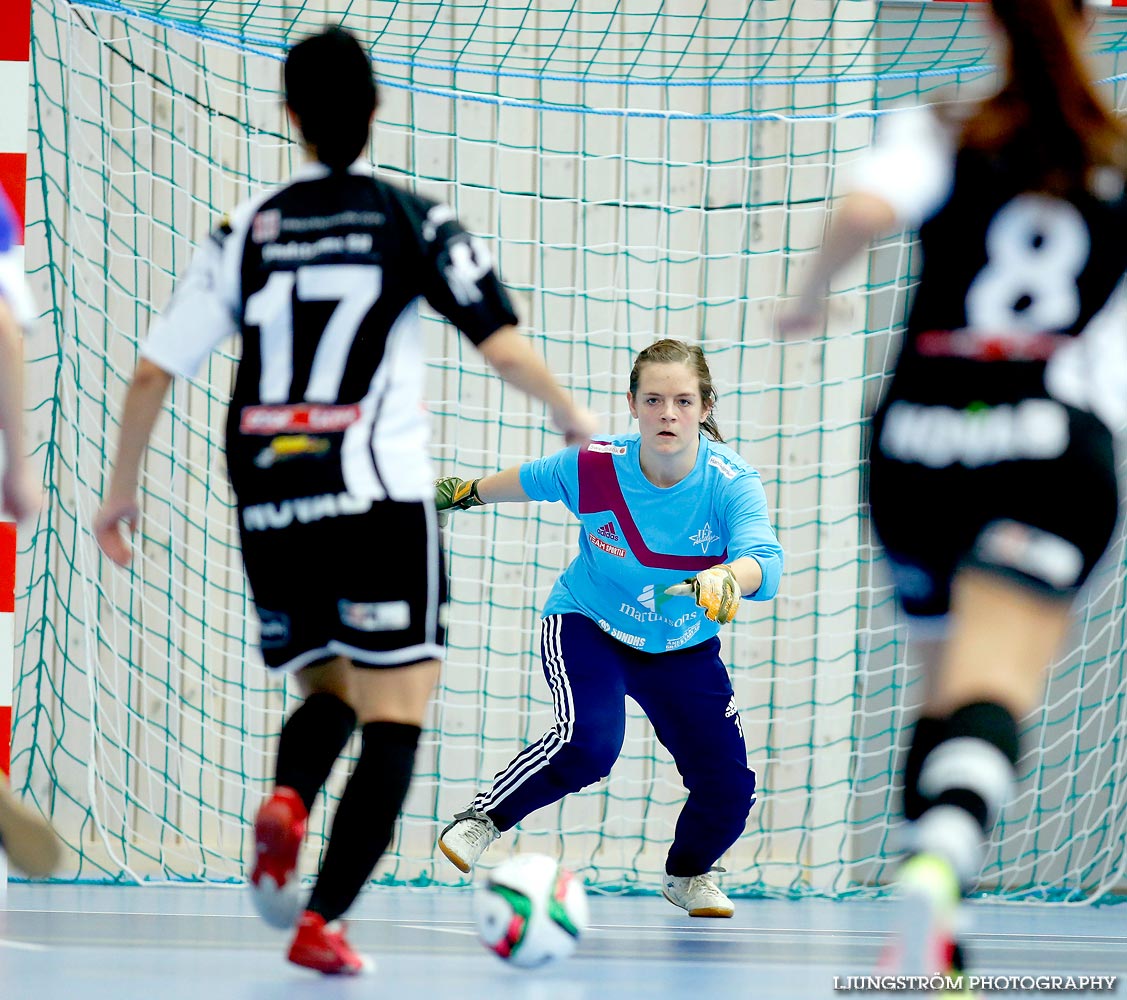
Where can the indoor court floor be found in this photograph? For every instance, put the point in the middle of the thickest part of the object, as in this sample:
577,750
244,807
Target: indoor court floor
95,942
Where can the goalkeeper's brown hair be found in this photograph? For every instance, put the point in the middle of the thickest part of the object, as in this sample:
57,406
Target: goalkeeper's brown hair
1048,117
678,352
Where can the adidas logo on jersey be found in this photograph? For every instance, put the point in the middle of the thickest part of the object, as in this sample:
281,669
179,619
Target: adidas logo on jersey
608,532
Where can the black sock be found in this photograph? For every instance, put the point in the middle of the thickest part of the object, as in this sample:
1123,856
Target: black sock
965,781
991,726
311,741
926,736
366,815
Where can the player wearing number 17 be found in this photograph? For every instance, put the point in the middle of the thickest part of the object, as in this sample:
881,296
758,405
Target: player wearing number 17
992,483
327,453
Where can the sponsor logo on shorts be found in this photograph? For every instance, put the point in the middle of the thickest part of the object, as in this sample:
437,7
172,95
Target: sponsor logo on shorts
606,449
613,550
384,616
683,638
939,436
268,516
300,418
287,446
1032,551
608,532
274,629
625,637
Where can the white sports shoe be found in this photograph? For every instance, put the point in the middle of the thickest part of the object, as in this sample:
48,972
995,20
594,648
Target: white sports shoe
698,894
465,840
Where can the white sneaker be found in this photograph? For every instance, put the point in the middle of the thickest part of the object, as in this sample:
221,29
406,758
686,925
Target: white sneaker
465,840
698,894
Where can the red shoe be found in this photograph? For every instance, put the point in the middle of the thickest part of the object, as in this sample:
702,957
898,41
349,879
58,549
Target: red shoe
316,946
279,830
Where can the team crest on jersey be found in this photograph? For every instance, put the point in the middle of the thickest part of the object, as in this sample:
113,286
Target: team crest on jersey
267,226
437,217
705,537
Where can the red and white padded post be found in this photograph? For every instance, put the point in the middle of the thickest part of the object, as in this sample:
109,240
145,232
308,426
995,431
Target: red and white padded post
15,80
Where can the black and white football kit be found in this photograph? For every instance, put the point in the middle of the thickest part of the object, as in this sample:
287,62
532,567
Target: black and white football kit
327,436
993,445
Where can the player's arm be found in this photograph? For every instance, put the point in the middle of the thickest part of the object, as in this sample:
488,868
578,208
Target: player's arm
860,219
903,179
718,589
199,316
755,573
460,283
454,493
142,407
748,574
22,495
512,356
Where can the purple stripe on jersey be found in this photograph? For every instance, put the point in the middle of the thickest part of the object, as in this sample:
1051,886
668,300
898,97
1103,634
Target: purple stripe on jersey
599,490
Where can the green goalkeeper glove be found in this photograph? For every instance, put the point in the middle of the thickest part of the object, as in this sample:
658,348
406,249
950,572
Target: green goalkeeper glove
715,589
450,492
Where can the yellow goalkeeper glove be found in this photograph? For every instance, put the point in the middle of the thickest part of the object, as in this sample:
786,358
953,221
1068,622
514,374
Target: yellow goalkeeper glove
450,492
715,589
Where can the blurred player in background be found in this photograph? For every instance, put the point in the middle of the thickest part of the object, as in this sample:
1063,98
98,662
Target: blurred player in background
623,620
993,486
327,450
27,838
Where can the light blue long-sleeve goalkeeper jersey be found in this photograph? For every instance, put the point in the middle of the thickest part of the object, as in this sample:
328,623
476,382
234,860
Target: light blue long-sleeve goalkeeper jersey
638,538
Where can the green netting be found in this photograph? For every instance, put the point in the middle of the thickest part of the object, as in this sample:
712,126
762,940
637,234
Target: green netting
661,171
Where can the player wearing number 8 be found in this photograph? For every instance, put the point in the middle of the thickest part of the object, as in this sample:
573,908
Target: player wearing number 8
992,482
327,454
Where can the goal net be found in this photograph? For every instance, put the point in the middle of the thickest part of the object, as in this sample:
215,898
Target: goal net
659,172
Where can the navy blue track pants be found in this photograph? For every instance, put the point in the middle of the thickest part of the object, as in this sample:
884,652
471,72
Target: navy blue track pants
687,696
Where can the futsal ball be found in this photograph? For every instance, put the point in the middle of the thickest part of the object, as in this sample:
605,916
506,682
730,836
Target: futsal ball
530,911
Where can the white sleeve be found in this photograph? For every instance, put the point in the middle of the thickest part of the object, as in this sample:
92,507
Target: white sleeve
14,289
202,313
911,165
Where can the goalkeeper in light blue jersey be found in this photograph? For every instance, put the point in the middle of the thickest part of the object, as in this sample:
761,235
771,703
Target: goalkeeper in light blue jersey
675,531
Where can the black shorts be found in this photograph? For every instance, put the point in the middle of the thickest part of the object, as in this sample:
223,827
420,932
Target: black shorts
939,503
329,580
